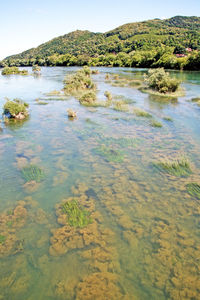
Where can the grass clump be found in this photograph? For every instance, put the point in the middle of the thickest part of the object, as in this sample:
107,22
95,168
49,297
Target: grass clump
196,99
168,119
179,167
193,189
77,216
109,154
36,69
120,106
88,98
2,239
160,81
13,70
156,124
15,109
79,82
142,113
95,72
32,173
108,95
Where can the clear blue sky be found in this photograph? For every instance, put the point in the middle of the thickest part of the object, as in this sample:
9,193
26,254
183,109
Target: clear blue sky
25,23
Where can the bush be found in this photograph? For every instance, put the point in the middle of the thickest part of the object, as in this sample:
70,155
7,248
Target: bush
88,98
15,109
160,81
108,95
80,81
13,70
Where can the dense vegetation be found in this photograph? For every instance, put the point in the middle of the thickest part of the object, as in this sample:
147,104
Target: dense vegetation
153,43
16,109
13,70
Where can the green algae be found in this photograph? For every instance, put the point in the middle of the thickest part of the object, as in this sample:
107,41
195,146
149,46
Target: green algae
110,154
32,173
180,167
193,189
77,216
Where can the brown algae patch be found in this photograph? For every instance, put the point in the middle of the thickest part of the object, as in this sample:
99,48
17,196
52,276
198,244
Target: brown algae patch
11,221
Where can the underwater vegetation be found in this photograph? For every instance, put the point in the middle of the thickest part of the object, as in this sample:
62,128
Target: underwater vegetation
112,155
180,167
193,189
16,109
32,173
155,123
13,70
77,216
142,113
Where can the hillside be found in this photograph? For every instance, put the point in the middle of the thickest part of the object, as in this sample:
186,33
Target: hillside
146,39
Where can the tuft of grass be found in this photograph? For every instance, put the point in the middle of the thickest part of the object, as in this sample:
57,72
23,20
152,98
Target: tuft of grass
180,167
108,95
109,154
88,98
142,113
77,216
2,239
193,189
168,119
13,70
120,106
32,173
156,124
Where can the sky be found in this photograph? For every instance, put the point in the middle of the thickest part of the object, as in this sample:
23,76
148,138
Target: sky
26,24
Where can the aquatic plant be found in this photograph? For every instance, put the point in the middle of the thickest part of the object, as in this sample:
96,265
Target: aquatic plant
193,189
168,119
80,81
32,173
157,124
88,98
110,154
77,216
120,106
179,167
142,113
2,239
71,113
13,70
36,69
160,80
95,72
196,99
15,109
108,95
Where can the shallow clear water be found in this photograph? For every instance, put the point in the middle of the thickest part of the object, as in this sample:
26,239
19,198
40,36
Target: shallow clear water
152,245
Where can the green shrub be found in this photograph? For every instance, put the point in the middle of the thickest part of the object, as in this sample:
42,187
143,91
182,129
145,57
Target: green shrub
13,70
88,98
15,109
77,216
160,81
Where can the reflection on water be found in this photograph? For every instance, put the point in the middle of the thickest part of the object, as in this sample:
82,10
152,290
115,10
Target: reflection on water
143,238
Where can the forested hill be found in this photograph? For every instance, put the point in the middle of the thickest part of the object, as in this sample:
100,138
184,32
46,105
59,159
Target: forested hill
134,44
